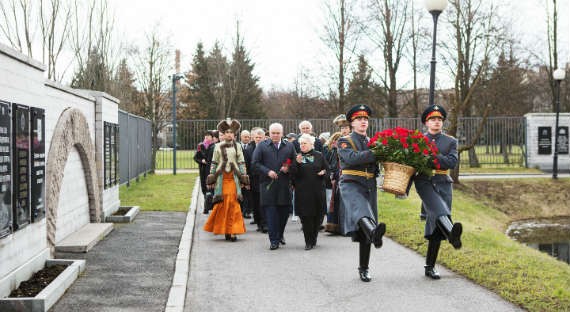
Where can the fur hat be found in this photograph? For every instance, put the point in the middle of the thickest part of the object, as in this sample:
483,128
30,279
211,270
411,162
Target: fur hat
341,121
230,124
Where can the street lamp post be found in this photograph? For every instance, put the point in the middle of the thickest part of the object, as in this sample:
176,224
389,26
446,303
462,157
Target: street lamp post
435,7
558,75
175,78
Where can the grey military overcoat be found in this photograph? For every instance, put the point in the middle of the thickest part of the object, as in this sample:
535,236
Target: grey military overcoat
436,192
358,193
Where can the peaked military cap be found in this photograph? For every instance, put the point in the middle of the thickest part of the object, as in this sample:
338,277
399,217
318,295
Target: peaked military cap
341,121
229,124
360,110
434,111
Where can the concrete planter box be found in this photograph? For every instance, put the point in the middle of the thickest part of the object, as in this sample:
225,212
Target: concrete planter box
132,212
49,295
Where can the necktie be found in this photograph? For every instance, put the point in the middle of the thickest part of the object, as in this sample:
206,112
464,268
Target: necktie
277,146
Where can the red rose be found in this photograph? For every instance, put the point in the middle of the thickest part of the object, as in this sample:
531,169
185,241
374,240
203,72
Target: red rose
426,139
438,166
402,140
426,152
385,142
405,145
435,160
415,145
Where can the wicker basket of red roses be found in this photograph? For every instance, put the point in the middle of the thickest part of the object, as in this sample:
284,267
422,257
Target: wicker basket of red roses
403,153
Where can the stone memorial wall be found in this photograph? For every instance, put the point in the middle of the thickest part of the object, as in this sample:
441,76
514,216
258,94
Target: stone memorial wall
51,181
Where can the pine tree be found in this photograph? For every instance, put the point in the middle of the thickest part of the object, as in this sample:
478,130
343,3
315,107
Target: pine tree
244,92
123,88
95,76
363,90
197,94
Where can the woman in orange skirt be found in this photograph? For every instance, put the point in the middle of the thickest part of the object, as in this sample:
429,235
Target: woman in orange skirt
227,175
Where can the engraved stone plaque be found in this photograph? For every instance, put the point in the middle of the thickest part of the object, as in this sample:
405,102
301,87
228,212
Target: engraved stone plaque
37,164
5,170
21,165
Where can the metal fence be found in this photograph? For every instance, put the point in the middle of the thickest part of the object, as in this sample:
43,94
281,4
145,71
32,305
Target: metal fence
501,144
135,146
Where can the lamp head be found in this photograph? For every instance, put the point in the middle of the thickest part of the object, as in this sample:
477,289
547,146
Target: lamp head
559,74
435,5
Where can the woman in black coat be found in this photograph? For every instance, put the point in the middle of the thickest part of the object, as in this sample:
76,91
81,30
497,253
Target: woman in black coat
310,199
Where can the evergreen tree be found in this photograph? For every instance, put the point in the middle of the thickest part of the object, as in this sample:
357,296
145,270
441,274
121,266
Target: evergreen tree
197,94
244,92
218,81
123,88
95,75
363,90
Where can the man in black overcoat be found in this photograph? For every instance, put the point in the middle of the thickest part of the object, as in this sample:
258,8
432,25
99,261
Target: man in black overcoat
269,159
306,127
254,192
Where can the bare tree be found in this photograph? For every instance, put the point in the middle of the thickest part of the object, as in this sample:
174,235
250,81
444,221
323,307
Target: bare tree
154,63
475,33
386,28
341,34
21,18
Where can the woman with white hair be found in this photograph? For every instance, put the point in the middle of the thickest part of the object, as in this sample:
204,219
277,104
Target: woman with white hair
311,168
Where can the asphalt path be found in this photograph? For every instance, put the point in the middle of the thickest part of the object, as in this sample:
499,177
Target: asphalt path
130,270
247,276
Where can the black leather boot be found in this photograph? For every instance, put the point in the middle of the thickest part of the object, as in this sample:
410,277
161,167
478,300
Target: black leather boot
451,231
372,231
431,257
364,259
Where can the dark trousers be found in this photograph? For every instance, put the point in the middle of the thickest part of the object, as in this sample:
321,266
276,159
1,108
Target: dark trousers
204,171
258,213
311,225
276,220
245,203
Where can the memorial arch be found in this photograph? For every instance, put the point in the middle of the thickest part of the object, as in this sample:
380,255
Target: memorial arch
71,131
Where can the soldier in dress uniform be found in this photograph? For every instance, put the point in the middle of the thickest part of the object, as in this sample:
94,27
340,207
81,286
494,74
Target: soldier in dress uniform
436,191
359,216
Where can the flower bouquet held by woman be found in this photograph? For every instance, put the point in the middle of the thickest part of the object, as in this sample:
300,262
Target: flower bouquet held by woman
403,152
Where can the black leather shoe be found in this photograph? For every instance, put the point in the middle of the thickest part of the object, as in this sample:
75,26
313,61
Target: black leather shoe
455,236
253,222
233,238
431,272
228,237
364,275
378,233
273,246
264,230
247,216
308,247
282,241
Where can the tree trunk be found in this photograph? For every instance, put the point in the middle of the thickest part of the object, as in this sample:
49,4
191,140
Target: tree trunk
454,173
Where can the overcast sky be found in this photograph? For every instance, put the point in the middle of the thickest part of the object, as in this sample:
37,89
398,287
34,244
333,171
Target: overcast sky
281,36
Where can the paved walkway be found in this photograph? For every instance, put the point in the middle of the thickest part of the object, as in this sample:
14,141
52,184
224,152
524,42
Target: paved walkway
247,276
130,270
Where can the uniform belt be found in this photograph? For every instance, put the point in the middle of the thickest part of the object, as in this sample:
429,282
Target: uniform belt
441,172
359,173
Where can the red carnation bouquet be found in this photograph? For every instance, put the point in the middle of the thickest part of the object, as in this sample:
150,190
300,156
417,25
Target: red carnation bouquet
285,164
405,147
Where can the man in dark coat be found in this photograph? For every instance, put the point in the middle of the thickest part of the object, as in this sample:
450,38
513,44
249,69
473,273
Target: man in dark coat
436,191
306,127
201,158
359,215
270,159
254,192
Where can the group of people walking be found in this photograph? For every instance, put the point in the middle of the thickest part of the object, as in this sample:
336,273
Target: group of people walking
267,175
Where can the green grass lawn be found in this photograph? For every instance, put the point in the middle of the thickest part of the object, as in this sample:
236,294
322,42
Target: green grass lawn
502,170
159,192
184,159
518,273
